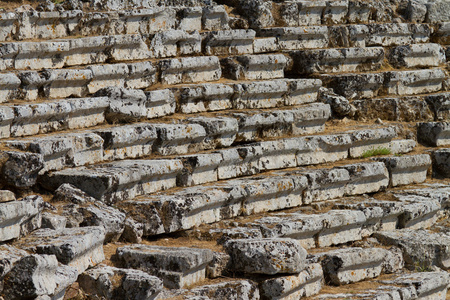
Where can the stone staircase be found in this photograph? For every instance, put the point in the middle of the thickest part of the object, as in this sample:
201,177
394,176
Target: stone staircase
242,149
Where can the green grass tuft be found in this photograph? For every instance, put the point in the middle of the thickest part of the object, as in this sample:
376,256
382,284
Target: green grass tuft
375,152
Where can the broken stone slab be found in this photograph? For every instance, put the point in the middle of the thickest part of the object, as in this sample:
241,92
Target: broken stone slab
190,70
436,192
369,139
354,86
7,196
199,169
298,38
307,283
119,180
437,11
441,162
38,276
337,60
223,235
266,256
111,282
18,218
228,290
421,248
179,138
218,265
255,67
215,17
351,265
9,85
61,151
141,75
439,105
205,97
402,146
220,131
340,106
190,18
417,56
20,170
127,48
69,193
53,221
335,12
403,109
409,169
307,119
434,134
129,141
175,42
80,248
9,255
414,82
177,267
442,34
229,42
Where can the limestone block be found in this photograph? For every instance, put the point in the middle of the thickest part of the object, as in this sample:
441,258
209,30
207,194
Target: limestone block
241,161
127,47
368,139
172,43
437,11
101,281
229,42
38,55
64,83
7,196
402,146
355,35
280,154
149,20
324,148
252,67
341,227
130,141
298,38
350,265
220,131
218,265
87,50
416,11
419,247
9,255
8,26
141,75
266,256
302,91
434,133
358,11
6,118
439,105
407,169
265,45
419,212
119,180
366,178
8,51
437,193
68,193
355,86
260,94
396,34
205,97
223,235
9,86
143,218
310,12
20,170
107,75
53,221
80,248
337,60
258,13
190,19
199,169
179,138
427,284
305,284
177,267
417,56
325,184
335,12
442,35
441,162
190,70
18,218
159,103
215,18
132,232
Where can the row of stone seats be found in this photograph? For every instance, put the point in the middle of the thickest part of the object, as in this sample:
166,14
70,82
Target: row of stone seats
52,25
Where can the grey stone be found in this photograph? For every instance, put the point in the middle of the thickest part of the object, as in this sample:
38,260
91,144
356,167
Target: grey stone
190,70
205,97
53,221
110,282
419,211
220,131
141,75
441,162
179,138
20,170
80,248
258,13
298,38
9,256
199,169
355,86
69,193
7,196
409,169
266,256
215,17
417,56
392,34
177,267
171,43
434,133
106,76
414,82
440,105
421,248
426,284
252,67
132,231
218,265
229,42
340,106
437,11
369,139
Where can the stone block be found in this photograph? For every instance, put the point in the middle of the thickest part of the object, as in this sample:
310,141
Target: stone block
417,56
229,42
266,256
439,105
220,131
64,83
369,139
355,86
240,161
177,267
335,12
366,178
215,18
441,162
173,43
52,221
38,55
20,169
190,70
434,134
419,211
107,75
414,82
204,97
199,169
260,94
141,75
255,67
6,118
80,248
9,86
409,169
265,45
190,18
396,34
298,38
323,148
179,138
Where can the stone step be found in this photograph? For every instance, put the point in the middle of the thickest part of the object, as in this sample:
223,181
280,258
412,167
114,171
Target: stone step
417,56
254,67
370,85
434,134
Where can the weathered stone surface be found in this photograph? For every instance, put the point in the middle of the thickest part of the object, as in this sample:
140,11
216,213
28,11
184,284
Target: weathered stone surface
305,284
265,45
179,138
218,265
220,131
119,180
350,265
298,38
393,34
441,162
369,139
414,82
323,148
440,105
434,133
420,248
205,97
9,255
337,60
20,170
190,70
199,169
69,193
18,218
141,75
107,75
177,267
229,42
53,221
171,43
215,17
340,106
419,211
258,13
407,169
426,284
254,67
7,196
80,248
9,85
417,56
266,256
110,282
437,11
355,86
